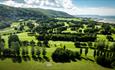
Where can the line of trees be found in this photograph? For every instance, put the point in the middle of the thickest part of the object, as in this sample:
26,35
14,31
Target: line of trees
66,37
104,54
18,55
2,44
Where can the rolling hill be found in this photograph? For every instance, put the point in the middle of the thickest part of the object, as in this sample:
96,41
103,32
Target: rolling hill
13,13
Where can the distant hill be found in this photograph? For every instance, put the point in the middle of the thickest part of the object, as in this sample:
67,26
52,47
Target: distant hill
13,13
52,13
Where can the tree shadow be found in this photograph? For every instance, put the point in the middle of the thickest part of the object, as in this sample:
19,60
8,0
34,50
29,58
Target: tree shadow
34,58
74,60
26,58
16,59
84,58
2,57
88,59
40,59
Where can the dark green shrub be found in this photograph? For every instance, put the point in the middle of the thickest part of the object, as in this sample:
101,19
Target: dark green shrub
59,55
64,55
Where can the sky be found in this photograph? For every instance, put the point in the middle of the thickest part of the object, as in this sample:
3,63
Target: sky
95,3
73,7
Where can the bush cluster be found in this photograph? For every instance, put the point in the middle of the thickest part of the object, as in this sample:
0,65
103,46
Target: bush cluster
65,55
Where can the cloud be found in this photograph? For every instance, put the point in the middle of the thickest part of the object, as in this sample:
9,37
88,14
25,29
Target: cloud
60,5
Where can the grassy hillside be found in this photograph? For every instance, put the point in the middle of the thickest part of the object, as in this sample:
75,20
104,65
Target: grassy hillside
52,13
17,13
9,14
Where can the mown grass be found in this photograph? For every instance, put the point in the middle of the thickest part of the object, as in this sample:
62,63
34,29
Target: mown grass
34,65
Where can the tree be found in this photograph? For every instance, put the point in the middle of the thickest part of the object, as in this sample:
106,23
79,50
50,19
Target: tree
45,42
80,51
32,43
44,52
2,43
21,28
38,52
98,53
59,55
23,52
77,44
108,58
32,51
0,38
112,49
39,43
16,47
6,52
25,43
106,29
110,38
100,47
86,51
80,31
90,44
77,55
30,25
64,55
94,54
13,38
64,47
104,61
